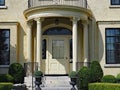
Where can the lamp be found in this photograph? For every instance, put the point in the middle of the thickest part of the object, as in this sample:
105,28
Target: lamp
56,21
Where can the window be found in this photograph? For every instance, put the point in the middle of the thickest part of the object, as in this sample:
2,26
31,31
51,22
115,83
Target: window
113,45
4,47
44,49
115,2
2,2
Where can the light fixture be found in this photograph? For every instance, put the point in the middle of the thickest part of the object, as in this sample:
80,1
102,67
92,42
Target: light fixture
56,21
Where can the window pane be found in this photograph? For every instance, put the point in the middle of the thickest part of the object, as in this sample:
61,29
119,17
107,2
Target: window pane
4,47
57,31
2,2
58,49
71,55
115,2
113,45
44,49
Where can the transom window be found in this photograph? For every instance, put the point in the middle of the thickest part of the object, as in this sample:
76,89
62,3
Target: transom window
115,2
2,2
113,45
57,31
4,46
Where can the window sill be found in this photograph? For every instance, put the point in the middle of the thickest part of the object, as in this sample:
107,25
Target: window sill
112,65
4,66
3,7
114,6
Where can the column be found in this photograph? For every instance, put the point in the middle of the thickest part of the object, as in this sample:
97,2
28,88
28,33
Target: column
74,37
85,42
29,42
39,42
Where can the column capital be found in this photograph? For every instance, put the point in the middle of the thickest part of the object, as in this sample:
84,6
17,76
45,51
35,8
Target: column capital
30,23
75,19
39,19
85,22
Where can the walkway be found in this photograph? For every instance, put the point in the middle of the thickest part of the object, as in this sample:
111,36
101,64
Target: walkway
55,83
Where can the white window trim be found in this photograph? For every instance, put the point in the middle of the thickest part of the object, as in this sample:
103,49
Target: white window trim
112,65
4,66
3,7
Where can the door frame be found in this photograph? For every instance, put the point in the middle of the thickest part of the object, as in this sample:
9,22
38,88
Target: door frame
49,38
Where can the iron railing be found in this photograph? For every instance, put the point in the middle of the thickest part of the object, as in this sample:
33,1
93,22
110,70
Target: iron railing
78,3
30,67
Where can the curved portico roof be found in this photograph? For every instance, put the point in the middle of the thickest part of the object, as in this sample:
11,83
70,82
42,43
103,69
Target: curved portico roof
57,11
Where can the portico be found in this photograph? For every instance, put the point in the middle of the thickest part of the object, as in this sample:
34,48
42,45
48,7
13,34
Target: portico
71,18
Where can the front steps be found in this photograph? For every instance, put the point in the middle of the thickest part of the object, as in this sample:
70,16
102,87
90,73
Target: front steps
50,83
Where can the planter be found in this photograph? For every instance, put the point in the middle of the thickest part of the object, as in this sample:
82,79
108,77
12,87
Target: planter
38,80
73,81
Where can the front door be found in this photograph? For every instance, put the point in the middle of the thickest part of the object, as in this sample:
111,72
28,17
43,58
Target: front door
58,56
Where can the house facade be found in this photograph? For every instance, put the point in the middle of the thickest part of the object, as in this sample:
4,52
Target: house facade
60,35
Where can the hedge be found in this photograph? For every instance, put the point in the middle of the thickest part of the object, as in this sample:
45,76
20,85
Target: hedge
6,86
104,86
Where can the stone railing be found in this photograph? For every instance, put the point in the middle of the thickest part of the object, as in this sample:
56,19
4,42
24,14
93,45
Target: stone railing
78,3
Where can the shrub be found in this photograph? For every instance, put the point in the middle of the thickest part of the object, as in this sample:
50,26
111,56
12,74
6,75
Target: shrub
17,71
96,71
118,78
83,78
104,86
108,79
73,74
38,73
6,86
6,78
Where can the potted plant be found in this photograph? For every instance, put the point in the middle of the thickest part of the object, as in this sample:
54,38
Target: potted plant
38,77
73,77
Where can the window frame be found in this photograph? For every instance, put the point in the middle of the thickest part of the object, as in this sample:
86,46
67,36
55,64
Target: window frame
2,65
106,43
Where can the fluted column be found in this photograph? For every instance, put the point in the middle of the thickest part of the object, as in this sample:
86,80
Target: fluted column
29,42
39,42
85,31
74,37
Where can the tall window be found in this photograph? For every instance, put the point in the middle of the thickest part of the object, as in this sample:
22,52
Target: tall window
2,2
113,45
115,2
4,47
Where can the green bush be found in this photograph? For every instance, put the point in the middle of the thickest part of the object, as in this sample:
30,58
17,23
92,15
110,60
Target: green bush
118,78
6,86
104,86
83,78
108,79
38,73
6,78
17,72
96,71
73,74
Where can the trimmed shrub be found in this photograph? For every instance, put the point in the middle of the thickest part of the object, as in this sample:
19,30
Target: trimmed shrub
6,86
17,71
118,78
108,79
83,78
96,71
104,86
6,78
73,74
38,73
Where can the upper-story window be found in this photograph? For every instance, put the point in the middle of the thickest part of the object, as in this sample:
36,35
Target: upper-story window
4,46
112,45
115,2
2,2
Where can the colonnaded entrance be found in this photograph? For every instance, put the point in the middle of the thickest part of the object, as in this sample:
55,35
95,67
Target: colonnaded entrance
58,50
